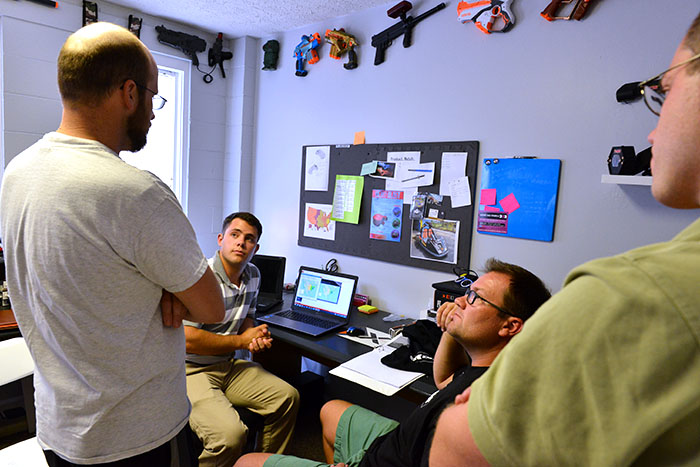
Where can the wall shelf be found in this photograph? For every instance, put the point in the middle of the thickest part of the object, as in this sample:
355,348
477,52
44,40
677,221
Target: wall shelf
626,179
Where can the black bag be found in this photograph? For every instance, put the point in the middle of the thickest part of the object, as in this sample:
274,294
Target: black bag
423,340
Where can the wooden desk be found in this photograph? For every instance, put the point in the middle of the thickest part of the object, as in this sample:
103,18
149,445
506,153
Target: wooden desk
8,324
284,359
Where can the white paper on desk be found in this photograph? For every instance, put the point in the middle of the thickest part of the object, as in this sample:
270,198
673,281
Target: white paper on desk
454,165
369,371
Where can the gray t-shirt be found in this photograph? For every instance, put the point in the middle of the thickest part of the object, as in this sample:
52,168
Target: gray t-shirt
90,242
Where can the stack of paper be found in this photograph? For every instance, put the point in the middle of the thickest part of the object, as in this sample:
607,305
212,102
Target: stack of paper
368,370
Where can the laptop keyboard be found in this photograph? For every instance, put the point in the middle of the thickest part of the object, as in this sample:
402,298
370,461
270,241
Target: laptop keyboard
301,317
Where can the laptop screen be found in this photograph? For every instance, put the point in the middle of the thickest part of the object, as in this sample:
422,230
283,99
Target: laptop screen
271,273
325,291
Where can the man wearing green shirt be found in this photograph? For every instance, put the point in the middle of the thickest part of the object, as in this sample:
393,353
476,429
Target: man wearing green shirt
607,371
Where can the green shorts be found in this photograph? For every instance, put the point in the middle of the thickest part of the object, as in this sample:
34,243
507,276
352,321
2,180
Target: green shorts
357,429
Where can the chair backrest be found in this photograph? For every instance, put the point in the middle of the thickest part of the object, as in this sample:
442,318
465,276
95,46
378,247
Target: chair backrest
16,360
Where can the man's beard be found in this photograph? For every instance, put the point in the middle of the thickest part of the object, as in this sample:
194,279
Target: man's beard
137,137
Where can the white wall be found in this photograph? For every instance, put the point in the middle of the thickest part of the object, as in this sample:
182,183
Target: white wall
32,36
545,89
541,89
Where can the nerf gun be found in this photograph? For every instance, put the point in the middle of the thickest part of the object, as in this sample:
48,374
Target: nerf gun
187,43
48,3
485,13
306,47
384,39
217,55
342,42
577,12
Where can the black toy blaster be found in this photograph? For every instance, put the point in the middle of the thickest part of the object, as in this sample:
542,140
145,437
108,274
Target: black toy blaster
384,39
577,12
48,3
217,55
189,44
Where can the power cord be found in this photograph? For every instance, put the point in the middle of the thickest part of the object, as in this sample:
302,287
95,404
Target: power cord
331,265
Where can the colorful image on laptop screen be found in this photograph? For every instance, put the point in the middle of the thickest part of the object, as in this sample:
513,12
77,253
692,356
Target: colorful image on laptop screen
324,292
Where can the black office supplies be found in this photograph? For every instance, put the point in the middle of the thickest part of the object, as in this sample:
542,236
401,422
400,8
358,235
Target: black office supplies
271,280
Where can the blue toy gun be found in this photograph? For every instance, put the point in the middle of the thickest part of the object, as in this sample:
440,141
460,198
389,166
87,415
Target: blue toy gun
306,47
484,14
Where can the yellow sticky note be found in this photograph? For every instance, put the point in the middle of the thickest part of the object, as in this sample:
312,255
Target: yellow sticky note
359,137
367,309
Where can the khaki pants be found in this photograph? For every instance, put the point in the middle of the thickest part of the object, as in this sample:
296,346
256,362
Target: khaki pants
214,390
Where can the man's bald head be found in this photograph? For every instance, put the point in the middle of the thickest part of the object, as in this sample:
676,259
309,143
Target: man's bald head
97,59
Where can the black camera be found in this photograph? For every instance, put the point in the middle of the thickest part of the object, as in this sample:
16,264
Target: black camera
629,92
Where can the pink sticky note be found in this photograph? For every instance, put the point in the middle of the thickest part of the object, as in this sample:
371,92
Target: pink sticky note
491,209
509,203
488,196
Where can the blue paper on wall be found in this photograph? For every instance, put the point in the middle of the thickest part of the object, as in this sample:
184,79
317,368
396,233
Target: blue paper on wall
519,198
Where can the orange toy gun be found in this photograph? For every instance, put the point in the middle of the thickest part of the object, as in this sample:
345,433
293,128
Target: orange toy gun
484,14
342,42
577,12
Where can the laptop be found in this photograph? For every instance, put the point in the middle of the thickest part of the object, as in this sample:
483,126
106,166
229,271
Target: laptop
322,302
271,280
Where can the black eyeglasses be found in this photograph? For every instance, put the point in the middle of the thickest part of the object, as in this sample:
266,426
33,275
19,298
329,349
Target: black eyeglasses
471,296
654,95
158,101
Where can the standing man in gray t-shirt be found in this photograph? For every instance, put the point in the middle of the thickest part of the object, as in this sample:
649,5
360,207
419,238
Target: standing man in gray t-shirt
98,253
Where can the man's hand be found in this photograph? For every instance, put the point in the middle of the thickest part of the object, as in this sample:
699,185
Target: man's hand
172,310
257,338
444,313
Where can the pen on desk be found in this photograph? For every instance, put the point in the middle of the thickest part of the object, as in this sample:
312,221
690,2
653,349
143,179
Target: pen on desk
420,170
413,178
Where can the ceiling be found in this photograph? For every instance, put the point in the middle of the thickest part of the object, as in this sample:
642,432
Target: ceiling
257,18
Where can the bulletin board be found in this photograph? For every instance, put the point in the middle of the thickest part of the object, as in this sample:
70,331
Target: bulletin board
518,197
354,239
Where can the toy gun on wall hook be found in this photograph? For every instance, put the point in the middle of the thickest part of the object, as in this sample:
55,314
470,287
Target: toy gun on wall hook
47,3
306,50
384,39
342,42
577,12
217,55
484,14
187,43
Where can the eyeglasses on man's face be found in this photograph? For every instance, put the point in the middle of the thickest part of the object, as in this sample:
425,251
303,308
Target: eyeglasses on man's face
654,95
158,101
471,297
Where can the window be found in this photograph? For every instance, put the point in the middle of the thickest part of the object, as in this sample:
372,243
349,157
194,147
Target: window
167,149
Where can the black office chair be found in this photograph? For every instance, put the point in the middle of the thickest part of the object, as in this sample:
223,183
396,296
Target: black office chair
255,423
